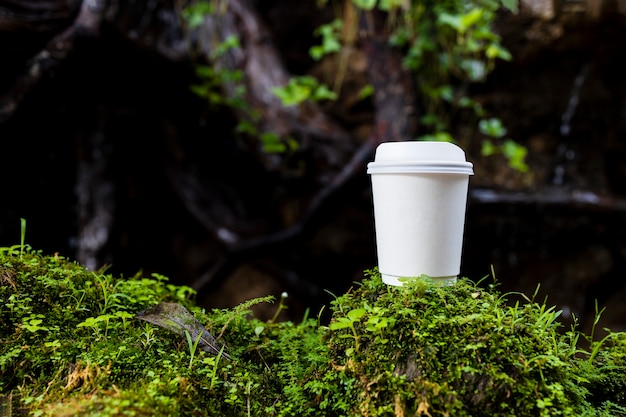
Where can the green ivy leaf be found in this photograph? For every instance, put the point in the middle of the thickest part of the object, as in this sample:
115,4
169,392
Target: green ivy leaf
387,5
438,137
231,42
271,143
330,39
322,92
470,19
488,148
365,4
302,88
293,93
366,91
497,51
454,21
339,324
492,127
475,69
512,5
516,154
356,314
195,14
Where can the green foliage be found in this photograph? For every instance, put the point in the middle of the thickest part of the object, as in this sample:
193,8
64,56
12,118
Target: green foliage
348,322
226,88
365,4
300,89
70,346
330,34
448,46
212,79
511,150
195,13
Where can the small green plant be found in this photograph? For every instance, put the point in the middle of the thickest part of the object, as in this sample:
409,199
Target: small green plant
282,305
349,322
193,345
378,322
34,323
596,345
22,235
149,336
95,323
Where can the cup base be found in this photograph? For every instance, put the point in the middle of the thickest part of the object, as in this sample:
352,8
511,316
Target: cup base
400,281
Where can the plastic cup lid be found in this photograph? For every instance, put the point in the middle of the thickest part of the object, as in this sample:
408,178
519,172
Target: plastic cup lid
420,157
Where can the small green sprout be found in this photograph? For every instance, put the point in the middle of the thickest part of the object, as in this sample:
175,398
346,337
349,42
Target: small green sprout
281,306
348,322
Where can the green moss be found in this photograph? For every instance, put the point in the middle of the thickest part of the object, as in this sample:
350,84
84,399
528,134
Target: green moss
463,351
70,345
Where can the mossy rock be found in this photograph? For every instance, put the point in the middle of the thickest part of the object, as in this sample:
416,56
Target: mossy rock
463,350
70,344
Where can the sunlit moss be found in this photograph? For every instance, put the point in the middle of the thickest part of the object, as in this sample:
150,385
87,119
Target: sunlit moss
466,351
70,345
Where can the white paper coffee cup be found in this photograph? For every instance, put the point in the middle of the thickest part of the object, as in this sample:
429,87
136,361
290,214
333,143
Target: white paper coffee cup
419,193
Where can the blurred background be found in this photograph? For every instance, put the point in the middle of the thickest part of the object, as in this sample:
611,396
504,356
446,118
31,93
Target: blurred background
225,144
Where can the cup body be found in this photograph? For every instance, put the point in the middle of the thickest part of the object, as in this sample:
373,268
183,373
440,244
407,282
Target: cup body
419,194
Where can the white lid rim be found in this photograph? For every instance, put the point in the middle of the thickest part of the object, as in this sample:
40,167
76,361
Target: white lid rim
435,167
